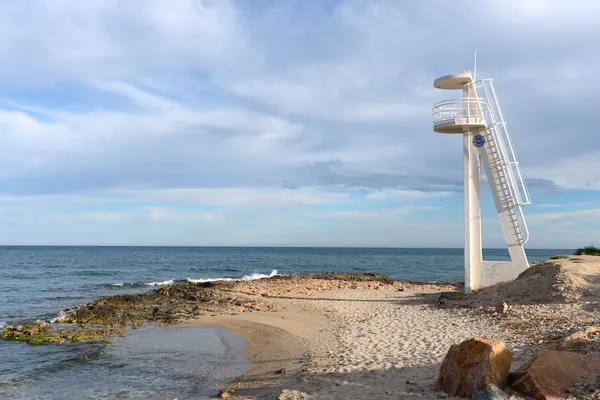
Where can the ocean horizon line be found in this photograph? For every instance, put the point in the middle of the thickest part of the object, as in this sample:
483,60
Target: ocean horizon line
267,246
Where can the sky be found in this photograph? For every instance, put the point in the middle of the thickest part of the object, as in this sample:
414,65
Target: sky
286,123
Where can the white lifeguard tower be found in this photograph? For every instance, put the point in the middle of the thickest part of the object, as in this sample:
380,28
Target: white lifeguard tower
486,141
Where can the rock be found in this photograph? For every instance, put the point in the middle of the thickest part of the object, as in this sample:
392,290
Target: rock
550,373
502,308
37,340
473,364
287,394
224,393
575,340
490,392
451,296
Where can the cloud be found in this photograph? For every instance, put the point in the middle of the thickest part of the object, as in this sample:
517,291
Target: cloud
263,105
381,215
103,216
568,217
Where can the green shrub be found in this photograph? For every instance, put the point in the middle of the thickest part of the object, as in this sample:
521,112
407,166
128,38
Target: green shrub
558,257
590,250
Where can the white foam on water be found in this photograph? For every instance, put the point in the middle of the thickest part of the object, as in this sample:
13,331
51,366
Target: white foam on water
209,280
61,315
250,277
116,284
255,276
163,283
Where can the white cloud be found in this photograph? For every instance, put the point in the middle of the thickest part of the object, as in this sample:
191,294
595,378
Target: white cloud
235,196
164,214
101,216
568,217
70,39
572,172
139,96
399,194
377,215
214,103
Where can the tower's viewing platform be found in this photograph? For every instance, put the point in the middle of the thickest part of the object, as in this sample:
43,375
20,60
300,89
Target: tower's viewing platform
458,115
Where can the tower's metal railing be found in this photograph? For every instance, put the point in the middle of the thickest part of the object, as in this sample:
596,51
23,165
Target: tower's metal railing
509,164
459,111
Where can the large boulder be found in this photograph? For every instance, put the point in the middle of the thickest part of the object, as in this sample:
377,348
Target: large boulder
472,365
551,373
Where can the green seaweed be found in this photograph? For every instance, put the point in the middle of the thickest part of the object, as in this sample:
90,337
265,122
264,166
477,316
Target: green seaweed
37,340
42,333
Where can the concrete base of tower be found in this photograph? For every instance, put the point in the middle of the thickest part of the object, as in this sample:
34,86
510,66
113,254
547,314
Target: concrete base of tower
494,272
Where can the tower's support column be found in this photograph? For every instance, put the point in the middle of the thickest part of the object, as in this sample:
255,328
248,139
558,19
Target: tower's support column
472,188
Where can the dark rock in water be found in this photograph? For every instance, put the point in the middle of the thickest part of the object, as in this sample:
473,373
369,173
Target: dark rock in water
37,340
41,333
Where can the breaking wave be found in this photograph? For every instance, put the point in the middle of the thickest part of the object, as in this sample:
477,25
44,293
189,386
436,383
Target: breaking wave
139,284
61,315
250,277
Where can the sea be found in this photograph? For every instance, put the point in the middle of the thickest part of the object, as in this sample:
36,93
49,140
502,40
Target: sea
38,283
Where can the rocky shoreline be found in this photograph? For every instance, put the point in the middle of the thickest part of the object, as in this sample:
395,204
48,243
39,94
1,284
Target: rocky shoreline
172,304
364,336
179,302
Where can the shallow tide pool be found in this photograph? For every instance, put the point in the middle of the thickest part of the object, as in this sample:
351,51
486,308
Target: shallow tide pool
180,362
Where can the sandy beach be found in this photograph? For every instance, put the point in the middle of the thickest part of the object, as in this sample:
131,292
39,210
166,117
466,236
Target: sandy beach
371,340
362,343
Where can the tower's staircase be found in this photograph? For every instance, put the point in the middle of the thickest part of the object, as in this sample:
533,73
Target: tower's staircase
506,177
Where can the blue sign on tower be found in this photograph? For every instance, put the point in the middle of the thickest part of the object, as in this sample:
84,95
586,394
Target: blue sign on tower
478,141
